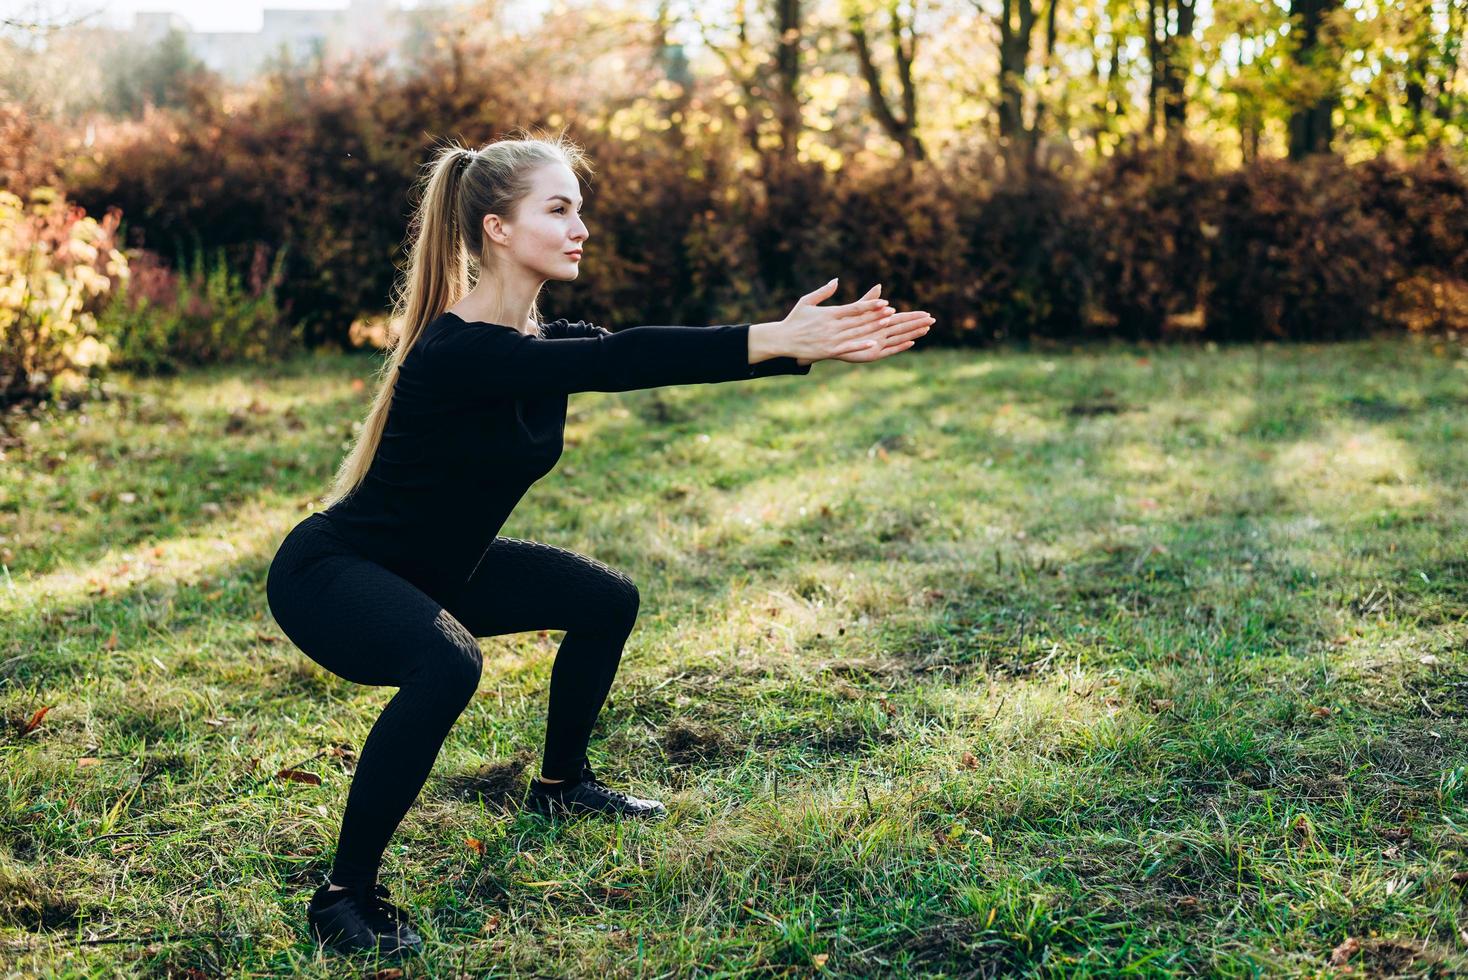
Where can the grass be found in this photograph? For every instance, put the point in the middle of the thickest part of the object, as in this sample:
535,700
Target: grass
965,663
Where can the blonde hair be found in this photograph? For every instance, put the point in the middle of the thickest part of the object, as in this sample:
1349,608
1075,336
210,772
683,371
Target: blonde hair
446,249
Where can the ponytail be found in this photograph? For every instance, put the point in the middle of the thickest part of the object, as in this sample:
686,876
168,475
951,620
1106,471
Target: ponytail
437,275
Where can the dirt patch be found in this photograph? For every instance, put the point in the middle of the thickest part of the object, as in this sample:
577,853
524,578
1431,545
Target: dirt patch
685,741
497,784
30,904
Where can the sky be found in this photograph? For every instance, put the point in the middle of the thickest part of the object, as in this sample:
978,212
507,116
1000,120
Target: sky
202,15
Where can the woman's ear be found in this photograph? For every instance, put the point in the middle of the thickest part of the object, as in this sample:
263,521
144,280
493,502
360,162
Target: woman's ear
494,230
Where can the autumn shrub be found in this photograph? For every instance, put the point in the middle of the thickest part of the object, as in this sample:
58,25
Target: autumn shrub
1423,205
1150,216
1148,244
58,268
164,320
1297,255
29,148
901,226
322,164
1028,260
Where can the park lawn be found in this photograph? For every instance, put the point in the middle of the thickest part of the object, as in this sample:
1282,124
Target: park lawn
964,663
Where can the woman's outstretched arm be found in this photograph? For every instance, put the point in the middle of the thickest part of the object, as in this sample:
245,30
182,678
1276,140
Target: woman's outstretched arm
497,361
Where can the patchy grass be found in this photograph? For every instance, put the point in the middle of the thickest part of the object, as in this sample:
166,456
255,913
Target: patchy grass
966,663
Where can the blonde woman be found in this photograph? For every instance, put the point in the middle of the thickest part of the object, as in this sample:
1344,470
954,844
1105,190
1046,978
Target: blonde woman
391,583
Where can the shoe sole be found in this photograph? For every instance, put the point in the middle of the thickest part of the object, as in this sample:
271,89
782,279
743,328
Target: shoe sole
563,814
340,946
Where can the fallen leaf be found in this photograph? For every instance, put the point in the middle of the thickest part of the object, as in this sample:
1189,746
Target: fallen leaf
36,719
475,844
299,776
1344,951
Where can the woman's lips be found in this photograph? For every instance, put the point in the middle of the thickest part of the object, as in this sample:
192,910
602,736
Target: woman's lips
575,254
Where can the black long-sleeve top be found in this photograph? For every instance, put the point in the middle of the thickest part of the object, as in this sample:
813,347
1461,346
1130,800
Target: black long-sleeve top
478,414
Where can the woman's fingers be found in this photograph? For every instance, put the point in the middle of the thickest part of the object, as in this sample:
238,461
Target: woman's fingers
875,345
862,326
861,307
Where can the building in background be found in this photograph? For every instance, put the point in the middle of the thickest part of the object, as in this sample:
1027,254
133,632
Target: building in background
366,27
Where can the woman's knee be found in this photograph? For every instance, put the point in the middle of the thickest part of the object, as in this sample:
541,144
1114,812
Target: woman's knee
625,601
454,666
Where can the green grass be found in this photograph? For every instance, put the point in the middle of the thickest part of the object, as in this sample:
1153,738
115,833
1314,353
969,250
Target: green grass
971,664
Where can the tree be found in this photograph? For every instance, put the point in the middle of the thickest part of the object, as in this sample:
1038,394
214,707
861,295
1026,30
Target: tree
1016,22
1317,57
164,73
902,129
1169,29
749,67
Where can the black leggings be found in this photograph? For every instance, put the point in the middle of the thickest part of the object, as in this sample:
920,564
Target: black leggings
369,625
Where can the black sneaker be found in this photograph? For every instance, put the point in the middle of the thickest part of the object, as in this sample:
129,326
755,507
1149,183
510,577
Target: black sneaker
352,921
588,796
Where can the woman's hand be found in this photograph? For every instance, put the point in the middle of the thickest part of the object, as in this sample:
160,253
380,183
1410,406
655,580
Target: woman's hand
866,330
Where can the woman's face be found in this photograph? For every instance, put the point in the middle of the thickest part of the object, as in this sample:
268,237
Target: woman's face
547,228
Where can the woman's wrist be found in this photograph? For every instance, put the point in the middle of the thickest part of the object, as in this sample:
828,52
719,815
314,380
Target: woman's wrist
764,342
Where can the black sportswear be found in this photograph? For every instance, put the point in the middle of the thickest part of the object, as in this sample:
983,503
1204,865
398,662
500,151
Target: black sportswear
393,585
479,414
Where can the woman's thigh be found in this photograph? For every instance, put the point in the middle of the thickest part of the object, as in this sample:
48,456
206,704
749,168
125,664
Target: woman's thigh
522,585
363,622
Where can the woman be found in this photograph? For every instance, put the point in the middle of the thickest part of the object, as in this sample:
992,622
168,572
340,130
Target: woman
394,579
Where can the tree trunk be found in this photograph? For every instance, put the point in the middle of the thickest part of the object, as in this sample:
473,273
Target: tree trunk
902,130
1311,128
787,74
1014,50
